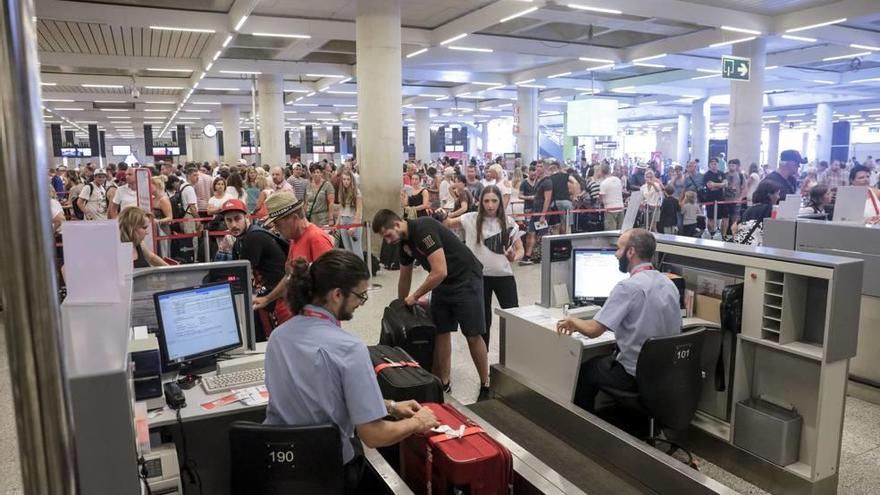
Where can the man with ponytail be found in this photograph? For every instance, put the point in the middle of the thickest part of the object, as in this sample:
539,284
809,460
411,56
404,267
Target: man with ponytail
316,372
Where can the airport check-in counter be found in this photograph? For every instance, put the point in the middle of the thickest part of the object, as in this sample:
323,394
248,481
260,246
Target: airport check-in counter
854,241
799,332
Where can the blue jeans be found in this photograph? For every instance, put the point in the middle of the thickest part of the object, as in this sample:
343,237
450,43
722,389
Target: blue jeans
351,238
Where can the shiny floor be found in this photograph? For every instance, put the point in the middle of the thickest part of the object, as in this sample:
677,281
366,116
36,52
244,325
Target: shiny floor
860,455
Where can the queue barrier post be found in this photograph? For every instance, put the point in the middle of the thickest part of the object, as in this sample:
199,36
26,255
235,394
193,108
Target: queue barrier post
206,248
369,261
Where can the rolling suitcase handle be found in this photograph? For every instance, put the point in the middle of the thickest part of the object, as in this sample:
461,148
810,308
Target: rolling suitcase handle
392,364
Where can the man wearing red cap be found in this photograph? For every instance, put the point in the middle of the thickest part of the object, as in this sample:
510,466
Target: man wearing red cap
267,254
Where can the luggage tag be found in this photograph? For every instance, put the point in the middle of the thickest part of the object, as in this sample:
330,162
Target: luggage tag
449,431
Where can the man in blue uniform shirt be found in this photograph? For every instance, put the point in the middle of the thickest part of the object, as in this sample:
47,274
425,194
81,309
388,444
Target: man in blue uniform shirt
316,372
643,306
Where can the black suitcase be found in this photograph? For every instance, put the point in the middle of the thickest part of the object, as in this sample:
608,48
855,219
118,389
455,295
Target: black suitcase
389,256
401,378
410,328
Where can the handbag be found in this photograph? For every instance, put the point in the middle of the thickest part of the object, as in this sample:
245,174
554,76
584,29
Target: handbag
731,321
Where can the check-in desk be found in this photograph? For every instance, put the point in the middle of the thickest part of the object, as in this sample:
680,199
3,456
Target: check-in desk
799,331
853,241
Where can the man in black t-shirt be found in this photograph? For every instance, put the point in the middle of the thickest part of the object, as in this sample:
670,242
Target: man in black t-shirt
267,254
455,281
534,203
715,181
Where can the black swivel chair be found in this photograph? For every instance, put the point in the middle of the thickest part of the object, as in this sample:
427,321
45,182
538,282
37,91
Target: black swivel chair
669,375
270,459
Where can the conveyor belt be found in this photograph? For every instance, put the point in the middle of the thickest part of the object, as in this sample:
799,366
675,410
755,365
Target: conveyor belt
582,471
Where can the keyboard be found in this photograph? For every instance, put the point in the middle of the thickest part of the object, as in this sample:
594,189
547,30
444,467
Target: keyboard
234,380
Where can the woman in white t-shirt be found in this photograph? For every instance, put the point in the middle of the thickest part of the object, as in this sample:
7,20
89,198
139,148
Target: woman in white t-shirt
216,201
494,239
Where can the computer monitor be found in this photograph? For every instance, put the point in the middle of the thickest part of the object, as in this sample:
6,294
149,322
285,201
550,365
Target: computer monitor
595,273
196,323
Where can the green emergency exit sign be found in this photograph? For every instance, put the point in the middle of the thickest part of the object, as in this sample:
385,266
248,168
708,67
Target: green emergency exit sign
736,68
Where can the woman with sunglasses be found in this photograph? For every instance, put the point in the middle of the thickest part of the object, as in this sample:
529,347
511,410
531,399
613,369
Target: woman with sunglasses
494,239
316,372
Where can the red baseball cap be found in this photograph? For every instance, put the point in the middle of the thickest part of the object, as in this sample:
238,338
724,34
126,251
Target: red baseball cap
233,205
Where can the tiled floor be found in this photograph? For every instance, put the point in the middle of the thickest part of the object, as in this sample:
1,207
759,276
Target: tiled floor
860,455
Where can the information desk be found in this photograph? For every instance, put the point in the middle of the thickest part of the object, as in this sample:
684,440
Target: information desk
800,325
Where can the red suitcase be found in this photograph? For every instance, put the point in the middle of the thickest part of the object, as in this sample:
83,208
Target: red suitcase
440,464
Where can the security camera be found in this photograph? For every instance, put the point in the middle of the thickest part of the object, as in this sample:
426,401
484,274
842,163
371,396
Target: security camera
135,93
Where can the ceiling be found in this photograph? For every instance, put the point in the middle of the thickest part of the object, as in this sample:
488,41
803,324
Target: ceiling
662,52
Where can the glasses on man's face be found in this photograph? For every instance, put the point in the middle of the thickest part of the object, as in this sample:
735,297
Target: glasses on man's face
362,296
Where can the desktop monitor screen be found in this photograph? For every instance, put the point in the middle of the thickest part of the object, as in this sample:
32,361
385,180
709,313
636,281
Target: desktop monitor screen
595,273
196,322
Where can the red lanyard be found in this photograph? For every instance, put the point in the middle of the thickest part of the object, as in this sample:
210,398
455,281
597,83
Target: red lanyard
642,268
321,316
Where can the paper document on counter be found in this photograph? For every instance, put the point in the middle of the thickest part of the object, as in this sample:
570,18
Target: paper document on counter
607,336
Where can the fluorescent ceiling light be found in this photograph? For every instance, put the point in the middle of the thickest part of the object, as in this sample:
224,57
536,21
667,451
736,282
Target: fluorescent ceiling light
645,59
341,92
69,109
813,26
240,23
598,60
112,86
114,109
705,77
470,49
526,81
305,104
196,110
625,89
417,52
48,84
514,16
842,57
173,88
340,105
317,112
222,89
594,9
537,86
454,38
205,102
652,102
156,110
189,30
771,67
429,95
588,90
741,30
857,81
709,71
337,76
485,83
822,81
118,117
58,101
652,66
155,69
600,67
227,40
865,47
240,72
561,74
280,35
731,42
799,38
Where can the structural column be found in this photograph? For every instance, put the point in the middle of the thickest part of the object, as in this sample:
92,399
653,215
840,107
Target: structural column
747,104
526,120
701,116
682,137
824,130
231,134
270,91
380,147
772,146
569,150
423,135
484,137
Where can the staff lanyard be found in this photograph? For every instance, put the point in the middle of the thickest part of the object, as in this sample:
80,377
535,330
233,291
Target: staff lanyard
640,269
321,316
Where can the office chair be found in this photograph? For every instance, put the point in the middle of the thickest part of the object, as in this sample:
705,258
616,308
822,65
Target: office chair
669,376
273,459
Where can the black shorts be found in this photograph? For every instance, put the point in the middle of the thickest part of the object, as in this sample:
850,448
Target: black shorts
465,310
710,211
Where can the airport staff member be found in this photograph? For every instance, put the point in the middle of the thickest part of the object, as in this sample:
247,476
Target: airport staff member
455,280
316,372
643,306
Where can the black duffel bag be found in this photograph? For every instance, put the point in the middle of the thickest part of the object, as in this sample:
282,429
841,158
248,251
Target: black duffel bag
410,328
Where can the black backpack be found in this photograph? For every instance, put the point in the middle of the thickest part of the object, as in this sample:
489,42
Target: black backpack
74,203
178,209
